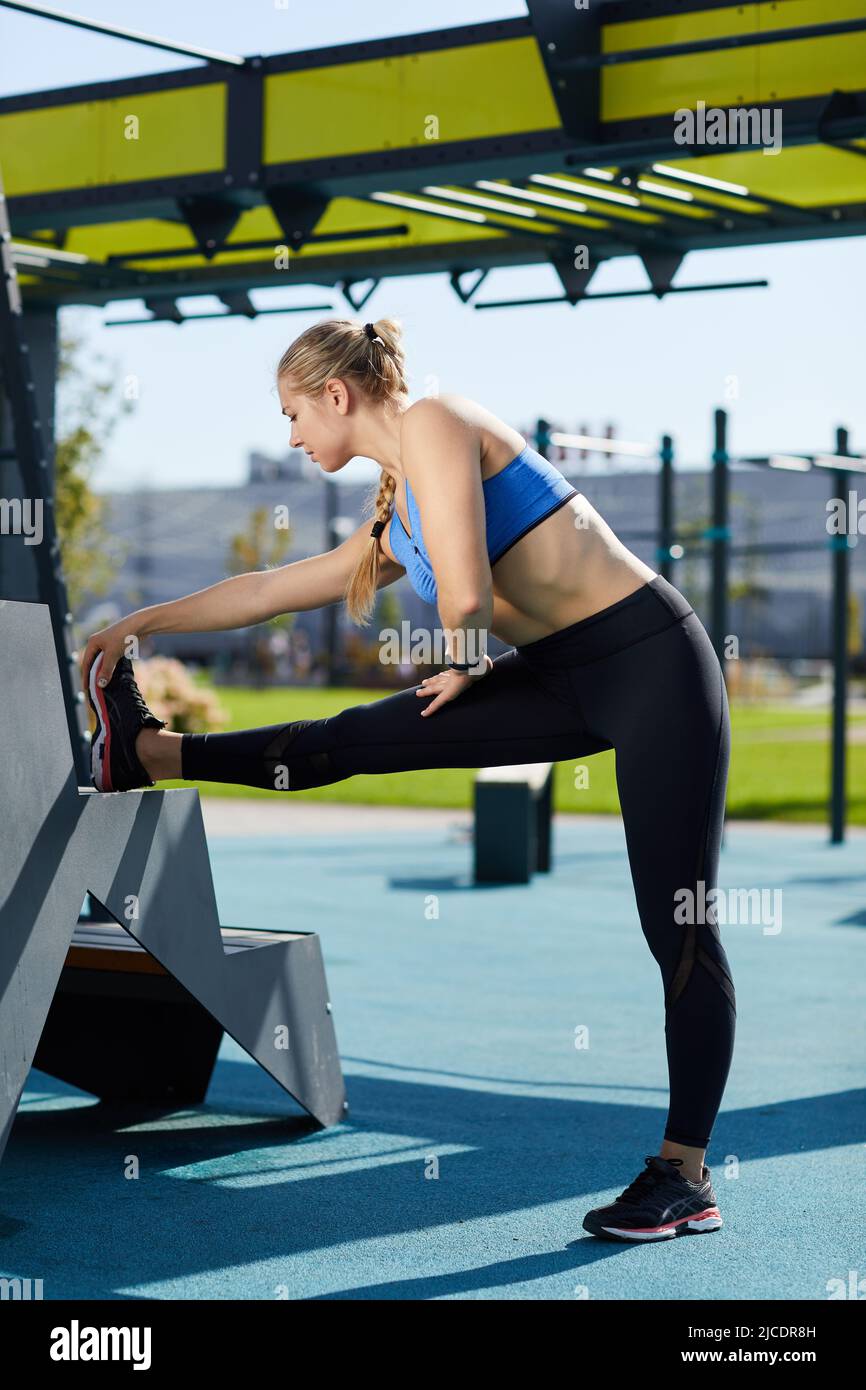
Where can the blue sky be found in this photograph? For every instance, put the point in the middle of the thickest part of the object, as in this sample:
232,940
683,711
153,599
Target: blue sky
207,393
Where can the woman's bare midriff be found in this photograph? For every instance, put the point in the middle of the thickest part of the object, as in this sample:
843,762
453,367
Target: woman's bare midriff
568,567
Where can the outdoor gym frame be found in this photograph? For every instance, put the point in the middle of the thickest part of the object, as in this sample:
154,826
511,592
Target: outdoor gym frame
715,540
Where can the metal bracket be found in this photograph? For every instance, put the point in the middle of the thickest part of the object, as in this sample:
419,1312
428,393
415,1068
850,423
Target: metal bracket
841,107
211,220
298,208
165,310
661,266
574,280
465,295
238,302
345,288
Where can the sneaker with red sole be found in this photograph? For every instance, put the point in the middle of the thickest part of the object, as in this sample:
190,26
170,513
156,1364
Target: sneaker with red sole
120,713
660,1203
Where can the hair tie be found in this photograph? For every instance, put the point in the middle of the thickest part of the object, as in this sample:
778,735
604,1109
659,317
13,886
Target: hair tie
378,528
370,330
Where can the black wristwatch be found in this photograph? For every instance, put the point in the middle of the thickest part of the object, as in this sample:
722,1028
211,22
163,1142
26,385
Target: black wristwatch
466,668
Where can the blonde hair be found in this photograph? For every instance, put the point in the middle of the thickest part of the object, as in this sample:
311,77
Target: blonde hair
342,347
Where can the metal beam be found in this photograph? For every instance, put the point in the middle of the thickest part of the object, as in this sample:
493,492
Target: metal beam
132,35
212,201
841,587
622,294
721,43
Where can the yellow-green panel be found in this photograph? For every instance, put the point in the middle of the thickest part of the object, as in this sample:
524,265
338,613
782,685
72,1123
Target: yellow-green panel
673,207
83,145
793,13
476,91
758,17
619,211
670,84
681,28
810,66
725,202
810,175
737,76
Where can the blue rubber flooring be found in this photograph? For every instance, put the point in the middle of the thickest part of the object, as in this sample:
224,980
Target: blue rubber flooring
503,1049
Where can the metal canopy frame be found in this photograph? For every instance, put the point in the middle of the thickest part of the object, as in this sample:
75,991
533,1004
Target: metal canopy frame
352,192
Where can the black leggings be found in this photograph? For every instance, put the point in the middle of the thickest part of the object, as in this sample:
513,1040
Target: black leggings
641,677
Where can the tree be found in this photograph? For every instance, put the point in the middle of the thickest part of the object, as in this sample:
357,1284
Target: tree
362,654
262,546
88,409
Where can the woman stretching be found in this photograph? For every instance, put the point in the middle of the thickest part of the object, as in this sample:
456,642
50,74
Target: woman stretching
605,654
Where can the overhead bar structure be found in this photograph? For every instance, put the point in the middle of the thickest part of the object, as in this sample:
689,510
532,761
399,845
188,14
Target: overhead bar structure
513,142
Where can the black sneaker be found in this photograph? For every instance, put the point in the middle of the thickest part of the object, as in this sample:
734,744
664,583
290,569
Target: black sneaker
659,1203
120,714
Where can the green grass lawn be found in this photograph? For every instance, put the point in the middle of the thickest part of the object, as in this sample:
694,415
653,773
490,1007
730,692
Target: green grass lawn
780,762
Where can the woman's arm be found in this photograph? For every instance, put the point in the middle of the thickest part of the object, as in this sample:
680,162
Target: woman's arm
441,459
241,601
246,599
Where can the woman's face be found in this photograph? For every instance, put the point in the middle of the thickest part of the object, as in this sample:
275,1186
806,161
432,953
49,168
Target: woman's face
319,425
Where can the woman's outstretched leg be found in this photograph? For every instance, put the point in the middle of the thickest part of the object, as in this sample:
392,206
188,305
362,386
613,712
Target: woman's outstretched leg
159,752
508,716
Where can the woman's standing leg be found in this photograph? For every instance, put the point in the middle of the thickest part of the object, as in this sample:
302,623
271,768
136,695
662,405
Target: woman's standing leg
663,703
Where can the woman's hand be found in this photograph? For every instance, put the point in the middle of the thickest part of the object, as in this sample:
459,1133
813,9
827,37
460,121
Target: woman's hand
111,641
447,685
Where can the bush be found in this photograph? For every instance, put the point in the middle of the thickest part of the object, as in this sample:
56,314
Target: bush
172,694
365,665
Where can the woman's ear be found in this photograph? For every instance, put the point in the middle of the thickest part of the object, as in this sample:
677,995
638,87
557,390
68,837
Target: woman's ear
338,394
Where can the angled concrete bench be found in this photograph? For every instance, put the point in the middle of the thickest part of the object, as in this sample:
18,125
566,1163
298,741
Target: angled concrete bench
122,1027
513,814
143,856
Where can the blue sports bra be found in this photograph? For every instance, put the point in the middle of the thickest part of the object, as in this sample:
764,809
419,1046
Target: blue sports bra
516,498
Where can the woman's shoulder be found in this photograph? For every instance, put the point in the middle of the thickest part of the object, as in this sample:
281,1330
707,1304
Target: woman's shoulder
497,440
446,403
451,416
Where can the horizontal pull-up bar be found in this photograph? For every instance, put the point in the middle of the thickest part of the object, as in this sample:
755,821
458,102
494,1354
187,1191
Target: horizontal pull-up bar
597,445
803,463
132,35
178,318
621,294
261,244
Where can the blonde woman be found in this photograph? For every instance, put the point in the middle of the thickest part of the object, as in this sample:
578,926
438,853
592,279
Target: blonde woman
605,653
